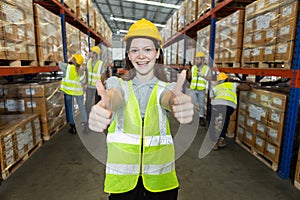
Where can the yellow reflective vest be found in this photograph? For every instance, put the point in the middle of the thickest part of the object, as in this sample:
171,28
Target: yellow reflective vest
71,84
226,91
198,82
139,147
94,74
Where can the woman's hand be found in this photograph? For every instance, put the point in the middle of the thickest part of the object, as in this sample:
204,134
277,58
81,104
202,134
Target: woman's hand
101,113
180,103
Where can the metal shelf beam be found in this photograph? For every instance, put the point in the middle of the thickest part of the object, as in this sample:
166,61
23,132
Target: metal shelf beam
11,71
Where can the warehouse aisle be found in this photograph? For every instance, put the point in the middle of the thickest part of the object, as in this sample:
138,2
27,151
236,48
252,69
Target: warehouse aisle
63,169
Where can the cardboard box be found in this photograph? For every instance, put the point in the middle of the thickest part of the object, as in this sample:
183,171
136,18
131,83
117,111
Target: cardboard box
251,124
275,134
272,152
261,130
259,145
240,132
279,101
284,51
286,31
276,116
269,53
249,138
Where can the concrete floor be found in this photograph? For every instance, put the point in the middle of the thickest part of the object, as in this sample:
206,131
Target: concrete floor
62,169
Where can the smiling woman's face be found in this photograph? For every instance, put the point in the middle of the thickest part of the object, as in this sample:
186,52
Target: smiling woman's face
143,54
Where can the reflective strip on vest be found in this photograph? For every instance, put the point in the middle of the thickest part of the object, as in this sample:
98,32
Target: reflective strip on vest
131,169
94,73
70,84
226,92
198,82
136,139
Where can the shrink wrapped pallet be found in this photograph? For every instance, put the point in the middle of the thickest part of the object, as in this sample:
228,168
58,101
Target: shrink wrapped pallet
17,29
203,7
191,14
48,33
182,16
73,40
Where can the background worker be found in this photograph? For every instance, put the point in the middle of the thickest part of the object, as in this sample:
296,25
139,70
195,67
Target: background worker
71,86
200,75
140,148
224,102
95,69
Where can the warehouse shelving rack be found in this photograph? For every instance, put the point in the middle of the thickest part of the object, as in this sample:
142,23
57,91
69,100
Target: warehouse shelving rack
66,15
224,9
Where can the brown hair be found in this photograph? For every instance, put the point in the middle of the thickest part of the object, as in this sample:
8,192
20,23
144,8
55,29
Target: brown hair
159,68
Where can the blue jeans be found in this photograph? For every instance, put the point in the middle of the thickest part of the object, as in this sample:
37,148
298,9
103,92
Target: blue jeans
198,98
69,105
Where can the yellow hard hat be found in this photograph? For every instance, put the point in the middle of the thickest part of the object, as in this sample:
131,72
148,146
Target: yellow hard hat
144,28
96,49
222,76
78,58
200,54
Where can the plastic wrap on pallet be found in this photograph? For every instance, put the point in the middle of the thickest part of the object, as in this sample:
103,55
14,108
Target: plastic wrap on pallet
81,9
229,37
17,30
48,33
73,40
261,121
203,7
182,16
18,135
191,14
270,29
203,38
175,23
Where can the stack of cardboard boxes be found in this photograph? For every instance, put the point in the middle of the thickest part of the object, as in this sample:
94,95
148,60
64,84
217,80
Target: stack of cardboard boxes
261,121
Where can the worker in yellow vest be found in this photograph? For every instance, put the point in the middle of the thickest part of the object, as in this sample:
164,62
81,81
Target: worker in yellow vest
95,69
71,86
224,102
200,75
140,148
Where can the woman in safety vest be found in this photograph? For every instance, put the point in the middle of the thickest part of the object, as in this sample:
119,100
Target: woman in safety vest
141,158
71,86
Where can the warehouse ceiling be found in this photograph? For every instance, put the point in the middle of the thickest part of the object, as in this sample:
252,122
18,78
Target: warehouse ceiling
120,13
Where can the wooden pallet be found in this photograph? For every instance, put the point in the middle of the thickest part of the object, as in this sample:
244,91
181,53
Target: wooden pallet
229,64
271,164
47,63
12,168
54,132
268,65
18,63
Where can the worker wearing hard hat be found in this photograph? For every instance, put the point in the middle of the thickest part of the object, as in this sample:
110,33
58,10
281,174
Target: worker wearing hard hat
71,86
224,102
140,148
200,75
95,69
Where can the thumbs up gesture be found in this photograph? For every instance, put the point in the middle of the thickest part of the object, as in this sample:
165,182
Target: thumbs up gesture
181,104
101,113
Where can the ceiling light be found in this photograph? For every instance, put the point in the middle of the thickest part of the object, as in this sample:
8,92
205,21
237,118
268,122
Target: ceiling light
123,31
154,3
131,21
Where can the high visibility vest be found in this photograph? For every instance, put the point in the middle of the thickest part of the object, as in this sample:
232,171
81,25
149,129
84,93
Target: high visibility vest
140,148
94,73
71,84
226,91
198,82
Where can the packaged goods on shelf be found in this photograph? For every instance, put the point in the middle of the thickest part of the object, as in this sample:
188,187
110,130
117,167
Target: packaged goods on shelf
181,16
81,9
203,7
73,40
43,98
260,123
17,30
191,14
190,50
229,38
270,31
180,52
48,33
174,50
203,40
92,15
174,23
72,4
19,136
